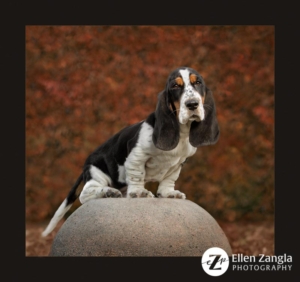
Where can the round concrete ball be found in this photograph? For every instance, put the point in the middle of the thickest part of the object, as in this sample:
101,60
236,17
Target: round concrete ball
139,227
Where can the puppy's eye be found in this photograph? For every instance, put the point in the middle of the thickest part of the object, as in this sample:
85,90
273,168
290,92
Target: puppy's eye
198,82
176,86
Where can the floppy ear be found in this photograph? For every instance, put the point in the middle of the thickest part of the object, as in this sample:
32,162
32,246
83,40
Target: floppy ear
206,132
166,128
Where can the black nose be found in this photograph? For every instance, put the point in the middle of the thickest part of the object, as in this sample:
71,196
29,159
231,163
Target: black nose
192,104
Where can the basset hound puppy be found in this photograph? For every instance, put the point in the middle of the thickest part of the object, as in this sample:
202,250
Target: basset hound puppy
153,149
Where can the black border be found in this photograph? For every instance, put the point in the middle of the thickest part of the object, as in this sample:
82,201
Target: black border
124,13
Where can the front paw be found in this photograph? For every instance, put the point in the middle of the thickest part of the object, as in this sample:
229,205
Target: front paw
139,193
172,194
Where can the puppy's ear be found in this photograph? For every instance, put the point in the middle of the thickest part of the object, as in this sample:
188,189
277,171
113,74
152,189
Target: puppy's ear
166,128
206,132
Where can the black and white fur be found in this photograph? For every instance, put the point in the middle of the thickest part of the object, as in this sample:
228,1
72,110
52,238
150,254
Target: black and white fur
153,149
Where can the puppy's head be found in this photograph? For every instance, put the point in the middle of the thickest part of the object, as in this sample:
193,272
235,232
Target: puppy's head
186,93
185,99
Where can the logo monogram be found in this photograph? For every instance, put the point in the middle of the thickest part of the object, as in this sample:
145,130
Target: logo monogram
215,261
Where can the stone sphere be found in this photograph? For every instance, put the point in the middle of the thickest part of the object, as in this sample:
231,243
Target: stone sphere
139,227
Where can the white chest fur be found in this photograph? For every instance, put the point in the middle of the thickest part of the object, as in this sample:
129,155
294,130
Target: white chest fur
159,164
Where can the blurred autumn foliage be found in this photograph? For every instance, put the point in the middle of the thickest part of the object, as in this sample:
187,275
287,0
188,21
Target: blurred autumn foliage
85,83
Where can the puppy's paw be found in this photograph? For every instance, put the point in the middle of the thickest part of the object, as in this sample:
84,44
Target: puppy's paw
172,194
139,193
95,193
107,192
111,193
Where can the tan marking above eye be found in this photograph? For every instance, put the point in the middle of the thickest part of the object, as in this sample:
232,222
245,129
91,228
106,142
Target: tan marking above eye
179,81
193,78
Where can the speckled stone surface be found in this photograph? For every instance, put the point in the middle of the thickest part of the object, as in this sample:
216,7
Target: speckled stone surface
139,227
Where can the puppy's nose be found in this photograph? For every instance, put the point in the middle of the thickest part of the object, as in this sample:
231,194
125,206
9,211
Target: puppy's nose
192,104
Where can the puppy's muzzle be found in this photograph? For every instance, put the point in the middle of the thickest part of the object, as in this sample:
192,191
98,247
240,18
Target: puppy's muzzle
192,104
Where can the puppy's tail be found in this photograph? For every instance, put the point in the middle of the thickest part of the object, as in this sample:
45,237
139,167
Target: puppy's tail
63,208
